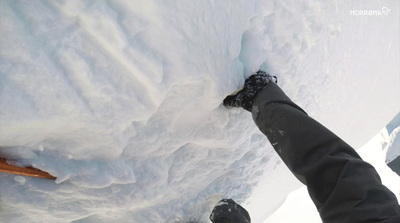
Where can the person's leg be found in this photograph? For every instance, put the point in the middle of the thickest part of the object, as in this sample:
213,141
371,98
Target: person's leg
343,187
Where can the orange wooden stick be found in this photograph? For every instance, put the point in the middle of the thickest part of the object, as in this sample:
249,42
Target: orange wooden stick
26,171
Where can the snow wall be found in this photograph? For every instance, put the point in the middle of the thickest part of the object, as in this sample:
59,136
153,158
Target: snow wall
121,100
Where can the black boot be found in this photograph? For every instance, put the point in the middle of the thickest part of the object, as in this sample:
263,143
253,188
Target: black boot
228,211
252,86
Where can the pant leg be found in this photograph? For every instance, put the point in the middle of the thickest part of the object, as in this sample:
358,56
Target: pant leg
343,187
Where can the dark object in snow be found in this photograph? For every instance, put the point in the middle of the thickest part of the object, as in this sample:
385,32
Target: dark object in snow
343,187
228,211
252,86
26,171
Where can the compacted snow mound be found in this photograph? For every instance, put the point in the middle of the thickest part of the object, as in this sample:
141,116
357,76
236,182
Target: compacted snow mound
121,100
122,103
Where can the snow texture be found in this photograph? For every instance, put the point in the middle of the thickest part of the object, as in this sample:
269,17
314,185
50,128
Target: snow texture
121,100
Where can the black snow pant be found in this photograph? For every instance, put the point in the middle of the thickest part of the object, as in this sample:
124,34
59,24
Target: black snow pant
343,187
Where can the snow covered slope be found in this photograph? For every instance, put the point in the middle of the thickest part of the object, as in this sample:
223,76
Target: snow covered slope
392,147
122,100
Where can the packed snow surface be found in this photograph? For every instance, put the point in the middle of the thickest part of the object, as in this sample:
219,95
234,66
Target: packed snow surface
121,100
